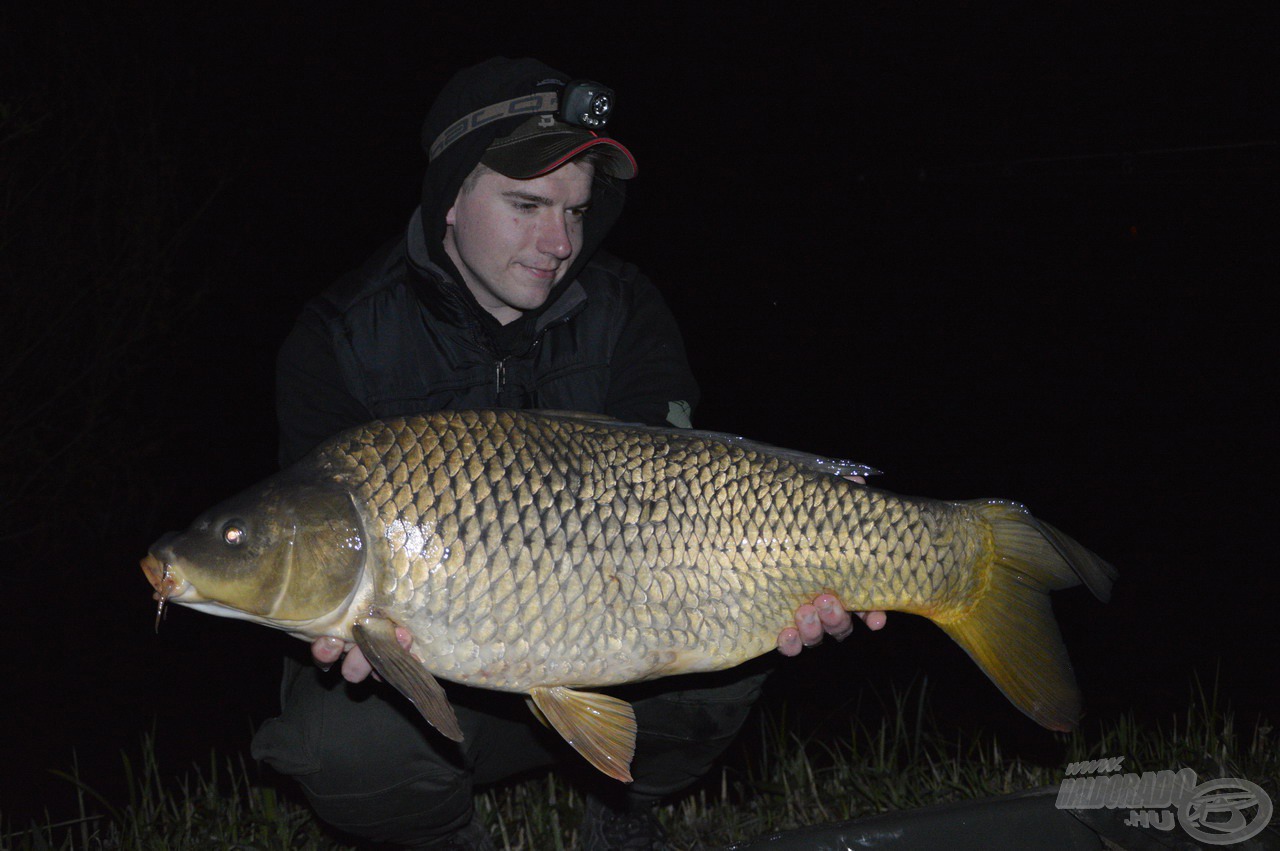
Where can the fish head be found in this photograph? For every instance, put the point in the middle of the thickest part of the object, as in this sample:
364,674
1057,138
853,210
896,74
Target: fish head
286,553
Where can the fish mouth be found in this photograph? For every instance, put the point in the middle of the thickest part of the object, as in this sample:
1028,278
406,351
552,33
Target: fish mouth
162,579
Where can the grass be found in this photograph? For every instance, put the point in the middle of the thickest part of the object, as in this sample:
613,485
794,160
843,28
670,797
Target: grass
776,778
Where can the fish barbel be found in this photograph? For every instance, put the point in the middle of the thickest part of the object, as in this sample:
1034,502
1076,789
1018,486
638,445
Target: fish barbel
549,553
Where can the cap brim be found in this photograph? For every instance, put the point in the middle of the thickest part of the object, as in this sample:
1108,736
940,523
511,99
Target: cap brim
536,154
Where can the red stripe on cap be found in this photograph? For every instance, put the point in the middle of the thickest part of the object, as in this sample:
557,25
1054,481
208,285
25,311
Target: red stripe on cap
599,140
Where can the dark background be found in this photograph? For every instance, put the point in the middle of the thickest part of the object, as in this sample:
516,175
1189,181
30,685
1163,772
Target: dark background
993,249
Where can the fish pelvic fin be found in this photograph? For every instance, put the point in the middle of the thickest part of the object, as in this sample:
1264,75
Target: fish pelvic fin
1010,631
377,638
600,727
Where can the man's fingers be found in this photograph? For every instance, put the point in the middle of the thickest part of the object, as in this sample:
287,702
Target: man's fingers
326,650
836,622
874,620
809,624
789,643
825,616
355,667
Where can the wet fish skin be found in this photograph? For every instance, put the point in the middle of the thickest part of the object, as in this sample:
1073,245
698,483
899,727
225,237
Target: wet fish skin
577,553
540,553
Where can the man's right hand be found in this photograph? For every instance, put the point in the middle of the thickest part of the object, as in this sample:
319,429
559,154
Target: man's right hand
355,668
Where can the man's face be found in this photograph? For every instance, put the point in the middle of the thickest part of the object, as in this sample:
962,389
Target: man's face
513,240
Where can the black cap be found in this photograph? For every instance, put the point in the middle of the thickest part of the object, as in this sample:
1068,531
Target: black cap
542,144
508,106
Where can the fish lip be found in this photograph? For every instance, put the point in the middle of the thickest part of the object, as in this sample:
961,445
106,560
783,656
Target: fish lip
160,573
153,567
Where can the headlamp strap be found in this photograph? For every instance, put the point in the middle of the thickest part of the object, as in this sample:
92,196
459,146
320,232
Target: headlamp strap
538,102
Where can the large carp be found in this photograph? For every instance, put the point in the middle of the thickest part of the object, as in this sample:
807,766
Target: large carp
545,553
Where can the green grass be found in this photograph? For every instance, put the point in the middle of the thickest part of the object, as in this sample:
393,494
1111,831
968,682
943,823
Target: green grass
776,778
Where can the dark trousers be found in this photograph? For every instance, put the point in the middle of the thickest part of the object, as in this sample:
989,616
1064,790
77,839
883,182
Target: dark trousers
373,768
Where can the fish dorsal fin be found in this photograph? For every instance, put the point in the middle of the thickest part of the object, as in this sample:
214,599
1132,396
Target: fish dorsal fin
377,638
805,460
600,727
584,416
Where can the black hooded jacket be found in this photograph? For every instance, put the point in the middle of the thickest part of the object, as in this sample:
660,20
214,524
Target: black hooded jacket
403,335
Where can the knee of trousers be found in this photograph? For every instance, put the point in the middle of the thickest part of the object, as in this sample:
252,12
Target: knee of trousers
368,765
682,732
411,812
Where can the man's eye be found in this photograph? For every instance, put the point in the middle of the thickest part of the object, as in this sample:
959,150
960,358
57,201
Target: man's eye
577,212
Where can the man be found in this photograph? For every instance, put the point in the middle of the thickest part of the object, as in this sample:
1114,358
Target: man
497,296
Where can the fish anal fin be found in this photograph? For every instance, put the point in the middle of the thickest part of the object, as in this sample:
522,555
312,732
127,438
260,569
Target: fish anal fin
600,727
377,638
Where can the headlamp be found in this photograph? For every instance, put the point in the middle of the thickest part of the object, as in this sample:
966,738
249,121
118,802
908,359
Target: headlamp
582,103
586,103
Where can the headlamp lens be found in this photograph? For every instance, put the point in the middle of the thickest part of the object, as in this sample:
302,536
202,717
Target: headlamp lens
600,106
586,103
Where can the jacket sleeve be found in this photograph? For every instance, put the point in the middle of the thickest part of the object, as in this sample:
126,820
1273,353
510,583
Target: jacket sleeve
649,376
312,400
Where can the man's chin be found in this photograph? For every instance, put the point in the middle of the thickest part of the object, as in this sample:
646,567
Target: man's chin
532,296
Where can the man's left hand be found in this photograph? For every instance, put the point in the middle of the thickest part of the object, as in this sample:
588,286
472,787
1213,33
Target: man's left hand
824,616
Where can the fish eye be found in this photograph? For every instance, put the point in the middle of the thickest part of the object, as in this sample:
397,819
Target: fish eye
233,534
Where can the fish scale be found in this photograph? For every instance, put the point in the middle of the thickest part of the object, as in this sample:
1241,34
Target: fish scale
548,553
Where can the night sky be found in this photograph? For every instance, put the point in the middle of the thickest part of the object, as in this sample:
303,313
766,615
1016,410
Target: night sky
995,251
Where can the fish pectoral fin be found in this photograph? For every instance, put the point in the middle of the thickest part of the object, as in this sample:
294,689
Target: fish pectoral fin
537,713
377,638
600,727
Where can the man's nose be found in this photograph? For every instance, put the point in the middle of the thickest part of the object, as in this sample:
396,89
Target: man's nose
554,237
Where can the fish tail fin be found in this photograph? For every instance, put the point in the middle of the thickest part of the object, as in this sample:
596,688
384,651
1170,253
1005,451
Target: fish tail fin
1010,631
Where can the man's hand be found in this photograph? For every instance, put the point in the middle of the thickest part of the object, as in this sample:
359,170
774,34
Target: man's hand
824,616
327,649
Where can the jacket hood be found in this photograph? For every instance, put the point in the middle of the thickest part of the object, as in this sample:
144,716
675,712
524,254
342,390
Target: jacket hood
471,89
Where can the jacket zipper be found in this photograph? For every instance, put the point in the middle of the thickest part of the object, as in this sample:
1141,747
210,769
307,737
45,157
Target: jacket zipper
499,378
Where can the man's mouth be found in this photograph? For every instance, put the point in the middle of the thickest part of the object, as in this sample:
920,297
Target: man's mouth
545,274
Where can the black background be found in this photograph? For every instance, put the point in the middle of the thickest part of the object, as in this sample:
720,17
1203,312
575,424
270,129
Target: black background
993,249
